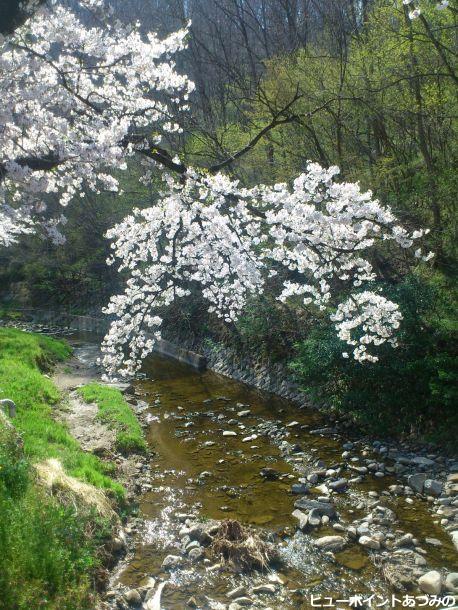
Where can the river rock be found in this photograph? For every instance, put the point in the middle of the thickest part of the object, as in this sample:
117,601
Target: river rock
243,413
238,592
416,481
369,543
229,433
266,588
299,488
301,517
422,461
330,543
269,474
171,561
431,582
451,582
339,485
196,553
432,487
192,544
454,536
433,542
314,518
322,508
404,541
200,534
133,597
242,601
360,469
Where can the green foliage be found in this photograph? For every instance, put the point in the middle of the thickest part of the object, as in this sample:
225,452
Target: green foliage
116,412
412,389
21,357
45,553
74,275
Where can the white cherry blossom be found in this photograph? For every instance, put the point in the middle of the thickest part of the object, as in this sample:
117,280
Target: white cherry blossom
208,233
79,91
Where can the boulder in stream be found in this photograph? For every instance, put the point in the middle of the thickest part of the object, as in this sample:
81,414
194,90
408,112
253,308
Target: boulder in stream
431,582
322,508
330,543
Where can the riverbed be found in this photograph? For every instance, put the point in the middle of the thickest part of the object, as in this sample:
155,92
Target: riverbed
211,439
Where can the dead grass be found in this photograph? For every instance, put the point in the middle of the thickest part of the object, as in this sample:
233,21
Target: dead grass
242,547
52,475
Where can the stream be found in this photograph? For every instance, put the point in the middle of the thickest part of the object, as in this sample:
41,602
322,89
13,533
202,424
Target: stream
211,440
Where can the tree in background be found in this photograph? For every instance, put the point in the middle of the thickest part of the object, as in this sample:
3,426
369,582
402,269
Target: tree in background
84,93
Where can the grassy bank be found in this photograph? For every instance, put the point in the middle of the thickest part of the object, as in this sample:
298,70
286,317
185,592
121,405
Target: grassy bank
47,557
23,358
117,414
48,546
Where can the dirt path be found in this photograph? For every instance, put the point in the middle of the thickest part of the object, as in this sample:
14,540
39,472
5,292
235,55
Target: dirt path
79,416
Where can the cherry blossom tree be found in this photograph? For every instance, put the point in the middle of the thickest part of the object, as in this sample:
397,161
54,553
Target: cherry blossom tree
82,93
77,100
229,241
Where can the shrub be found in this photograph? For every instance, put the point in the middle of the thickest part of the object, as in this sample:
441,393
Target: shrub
411,389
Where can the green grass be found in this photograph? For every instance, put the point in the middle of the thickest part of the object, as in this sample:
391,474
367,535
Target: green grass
48,551
117,414
23,357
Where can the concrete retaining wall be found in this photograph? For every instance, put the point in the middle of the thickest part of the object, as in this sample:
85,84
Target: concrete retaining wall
100,326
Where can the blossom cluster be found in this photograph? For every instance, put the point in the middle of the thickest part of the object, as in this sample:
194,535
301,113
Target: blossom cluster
415,9
207,233
12,224
76,84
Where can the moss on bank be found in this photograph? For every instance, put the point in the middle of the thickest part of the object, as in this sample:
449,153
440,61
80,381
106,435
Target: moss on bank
117,414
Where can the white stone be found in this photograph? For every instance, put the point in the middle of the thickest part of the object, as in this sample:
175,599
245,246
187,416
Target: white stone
330,543
431,583
369,543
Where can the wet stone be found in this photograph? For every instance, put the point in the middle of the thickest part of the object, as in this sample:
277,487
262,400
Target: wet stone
238,592
433,542
431,583
451,582
369,543
266,588
299,488
133,597
269,474
330,543
171,561
432,487
242,601
301,517
339,485
322,508
196,554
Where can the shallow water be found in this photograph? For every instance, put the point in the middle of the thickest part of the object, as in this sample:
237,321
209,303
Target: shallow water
189,411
